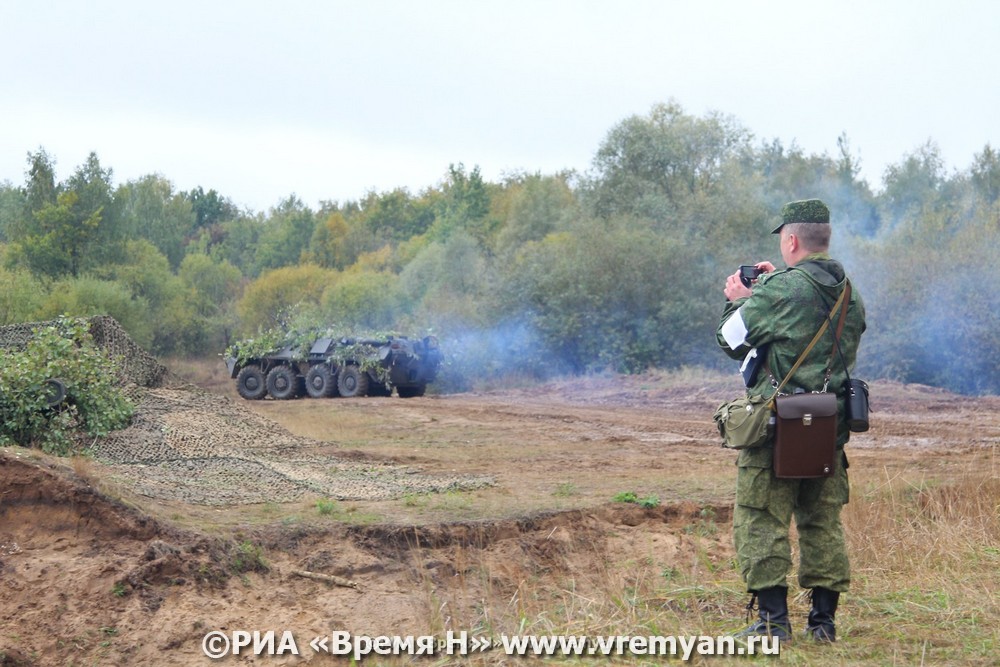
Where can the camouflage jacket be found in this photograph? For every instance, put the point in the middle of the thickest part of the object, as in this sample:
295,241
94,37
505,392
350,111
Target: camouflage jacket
784,312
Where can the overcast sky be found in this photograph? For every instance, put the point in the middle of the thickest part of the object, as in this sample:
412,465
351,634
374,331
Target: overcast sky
329,100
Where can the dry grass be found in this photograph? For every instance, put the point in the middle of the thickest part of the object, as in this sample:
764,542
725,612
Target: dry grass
924,543
925,560
926,568
926,563
208,373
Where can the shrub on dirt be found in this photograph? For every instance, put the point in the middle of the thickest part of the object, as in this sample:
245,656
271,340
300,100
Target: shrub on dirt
649,502
249,557
94,404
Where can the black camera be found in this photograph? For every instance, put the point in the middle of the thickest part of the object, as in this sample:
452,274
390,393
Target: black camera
749,273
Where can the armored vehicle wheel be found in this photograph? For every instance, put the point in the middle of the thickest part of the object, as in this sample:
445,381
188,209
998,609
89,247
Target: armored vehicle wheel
250,383
352,381
282,383
320,381
411,392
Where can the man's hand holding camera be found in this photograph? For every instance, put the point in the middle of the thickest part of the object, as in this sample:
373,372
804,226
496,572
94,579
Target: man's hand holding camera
738,285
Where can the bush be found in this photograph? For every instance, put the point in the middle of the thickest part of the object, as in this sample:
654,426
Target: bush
365,299
94,405
249,557
86,296
268,301
21,295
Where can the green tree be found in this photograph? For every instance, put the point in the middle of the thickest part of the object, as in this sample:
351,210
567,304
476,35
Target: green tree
145,272
464,205
270,301
234,241
216,283
395,215
914,186
286,235
12,207
21,295
602,297
362,299
41,189
86,296
328,247
986,174
449,283
58,242
69,228
535,206
215,286
151,210
387,218
171,310
93,186
649,166
210,208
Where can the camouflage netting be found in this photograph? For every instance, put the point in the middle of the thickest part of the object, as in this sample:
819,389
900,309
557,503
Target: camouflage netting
186,444
193,446
136,366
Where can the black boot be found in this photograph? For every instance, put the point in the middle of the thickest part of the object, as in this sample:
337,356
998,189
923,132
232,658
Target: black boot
824,607
772,613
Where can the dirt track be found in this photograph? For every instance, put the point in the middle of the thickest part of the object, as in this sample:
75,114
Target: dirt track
100,581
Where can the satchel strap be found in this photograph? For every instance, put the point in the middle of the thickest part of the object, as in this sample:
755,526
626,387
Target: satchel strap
836,340
845,297
815,339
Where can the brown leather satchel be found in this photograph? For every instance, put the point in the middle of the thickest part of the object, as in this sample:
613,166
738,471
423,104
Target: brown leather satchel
805,429
805,435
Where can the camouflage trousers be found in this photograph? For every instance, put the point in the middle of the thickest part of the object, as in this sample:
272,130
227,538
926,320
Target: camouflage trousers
765,506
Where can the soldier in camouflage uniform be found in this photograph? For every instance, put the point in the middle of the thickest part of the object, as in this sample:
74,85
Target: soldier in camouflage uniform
779,316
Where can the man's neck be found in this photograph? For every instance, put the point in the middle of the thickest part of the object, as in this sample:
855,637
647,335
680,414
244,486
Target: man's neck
807,255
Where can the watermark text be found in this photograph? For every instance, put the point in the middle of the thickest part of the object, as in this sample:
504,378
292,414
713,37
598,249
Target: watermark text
218,644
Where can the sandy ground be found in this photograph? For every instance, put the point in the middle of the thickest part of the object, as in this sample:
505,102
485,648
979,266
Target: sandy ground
106,562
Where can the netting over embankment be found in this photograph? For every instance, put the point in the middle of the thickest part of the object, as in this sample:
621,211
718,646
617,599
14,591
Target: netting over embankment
135,365
189,445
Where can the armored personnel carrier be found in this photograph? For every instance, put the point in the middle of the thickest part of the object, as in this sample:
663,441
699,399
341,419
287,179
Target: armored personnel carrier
344,366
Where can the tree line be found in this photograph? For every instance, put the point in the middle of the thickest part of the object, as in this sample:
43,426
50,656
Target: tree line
618,268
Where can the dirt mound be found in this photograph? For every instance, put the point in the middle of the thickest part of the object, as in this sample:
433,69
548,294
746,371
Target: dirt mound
79,567
88,579
30,484
485,534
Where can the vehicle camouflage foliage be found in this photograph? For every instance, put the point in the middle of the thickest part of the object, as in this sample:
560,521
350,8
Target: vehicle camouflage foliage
286,365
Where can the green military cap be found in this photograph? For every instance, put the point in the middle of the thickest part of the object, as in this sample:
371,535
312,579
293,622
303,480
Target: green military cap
805,210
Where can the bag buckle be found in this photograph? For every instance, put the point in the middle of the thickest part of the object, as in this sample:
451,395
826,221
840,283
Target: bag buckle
807,419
